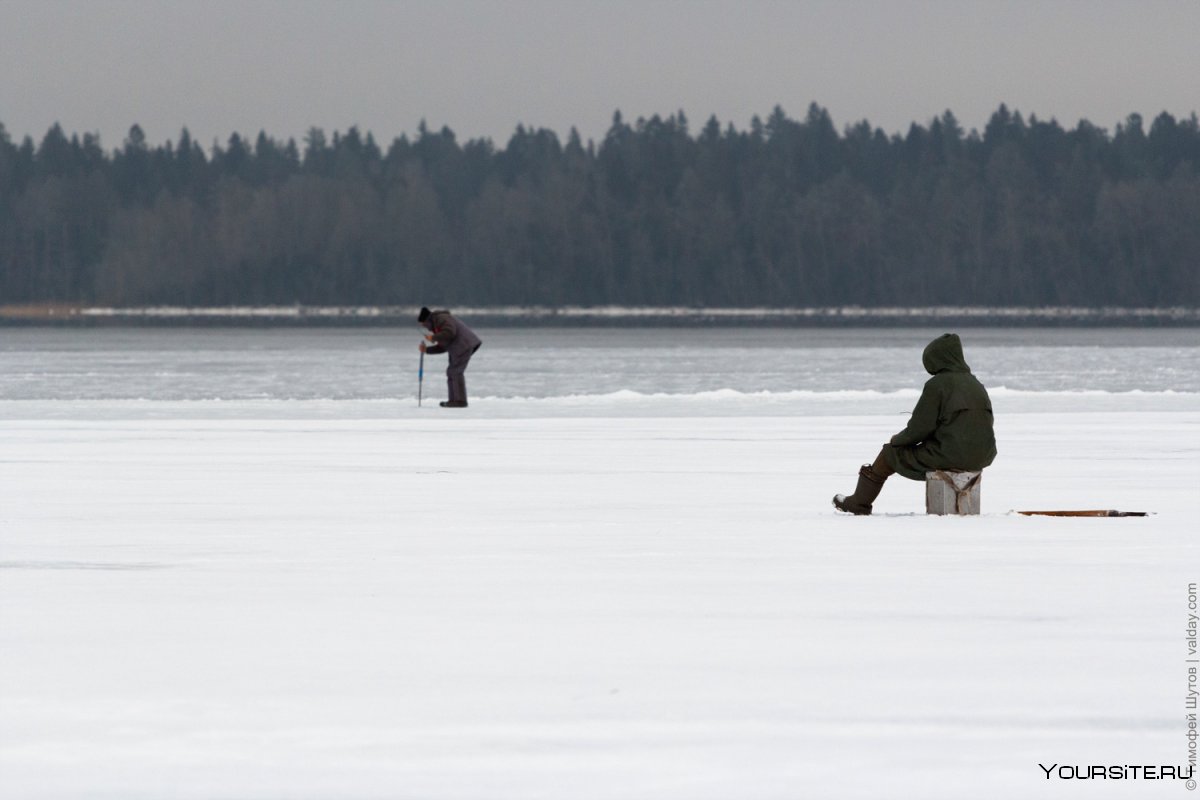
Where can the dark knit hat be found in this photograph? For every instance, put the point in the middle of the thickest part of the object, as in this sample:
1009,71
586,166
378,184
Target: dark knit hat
424,315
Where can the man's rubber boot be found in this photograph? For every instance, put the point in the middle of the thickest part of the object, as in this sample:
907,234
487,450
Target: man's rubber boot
869,486
453,404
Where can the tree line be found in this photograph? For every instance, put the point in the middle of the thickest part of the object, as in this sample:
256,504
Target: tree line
785,213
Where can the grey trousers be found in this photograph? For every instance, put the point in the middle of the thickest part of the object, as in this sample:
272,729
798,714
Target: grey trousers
456,380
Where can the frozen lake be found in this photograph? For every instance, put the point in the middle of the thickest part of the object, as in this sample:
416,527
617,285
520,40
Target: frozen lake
548,371
243,564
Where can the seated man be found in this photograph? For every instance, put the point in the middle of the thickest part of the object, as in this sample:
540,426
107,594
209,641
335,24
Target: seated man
950,428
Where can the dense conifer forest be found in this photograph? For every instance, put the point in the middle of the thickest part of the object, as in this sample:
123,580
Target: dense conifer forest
787,213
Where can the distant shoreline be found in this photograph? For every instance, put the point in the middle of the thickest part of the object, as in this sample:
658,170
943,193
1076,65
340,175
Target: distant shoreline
596,316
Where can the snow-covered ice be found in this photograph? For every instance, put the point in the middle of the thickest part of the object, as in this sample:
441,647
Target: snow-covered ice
628,597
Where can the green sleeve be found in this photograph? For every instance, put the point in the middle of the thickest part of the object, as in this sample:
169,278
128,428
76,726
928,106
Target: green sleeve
924,418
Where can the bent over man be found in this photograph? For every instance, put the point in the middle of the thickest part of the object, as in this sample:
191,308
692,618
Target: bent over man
950,428
450,335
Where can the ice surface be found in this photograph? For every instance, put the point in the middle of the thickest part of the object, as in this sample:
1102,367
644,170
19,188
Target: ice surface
596,594
375,365
466,606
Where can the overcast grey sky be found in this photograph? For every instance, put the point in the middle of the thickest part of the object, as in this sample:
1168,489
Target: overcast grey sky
483,66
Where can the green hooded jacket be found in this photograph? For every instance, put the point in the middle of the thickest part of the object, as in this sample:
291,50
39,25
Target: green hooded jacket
951,426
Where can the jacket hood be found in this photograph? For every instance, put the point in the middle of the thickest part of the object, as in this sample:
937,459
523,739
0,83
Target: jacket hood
944,354
430,319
